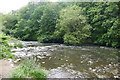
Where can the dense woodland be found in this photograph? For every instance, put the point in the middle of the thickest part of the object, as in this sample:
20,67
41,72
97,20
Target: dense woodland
64,22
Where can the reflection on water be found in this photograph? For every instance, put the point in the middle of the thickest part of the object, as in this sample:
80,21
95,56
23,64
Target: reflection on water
80,61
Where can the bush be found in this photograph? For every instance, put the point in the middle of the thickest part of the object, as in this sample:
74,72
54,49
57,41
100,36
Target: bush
5,47
29,69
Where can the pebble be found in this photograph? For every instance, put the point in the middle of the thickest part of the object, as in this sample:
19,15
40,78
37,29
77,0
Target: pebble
90,68
90,62
101,76
94,70
116,76
81,62
12,65
43,62
40,57
10,60
110,65
17,60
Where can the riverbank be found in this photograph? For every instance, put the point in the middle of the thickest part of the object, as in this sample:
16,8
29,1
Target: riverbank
78,61
6,68
61,61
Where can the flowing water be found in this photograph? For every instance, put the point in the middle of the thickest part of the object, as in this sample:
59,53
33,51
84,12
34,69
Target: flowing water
63,61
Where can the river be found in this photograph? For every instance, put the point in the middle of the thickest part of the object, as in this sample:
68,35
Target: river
63,61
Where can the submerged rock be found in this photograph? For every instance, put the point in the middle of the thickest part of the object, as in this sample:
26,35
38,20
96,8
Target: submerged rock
59,73
43,62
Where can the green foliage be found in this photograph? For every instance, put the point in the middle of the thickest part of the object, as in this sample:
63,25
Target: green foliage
74,25
25,25
9,21
102,17
112,37
62,22
45,38
48,22
29,69
5,48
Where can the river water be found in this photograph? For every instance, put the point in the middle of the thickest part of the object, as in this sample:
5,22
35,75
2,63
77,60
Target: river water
63,61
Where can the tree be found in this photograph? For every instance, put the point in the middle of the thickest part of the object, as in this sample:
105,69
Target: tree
112,37
61,22
72,26
9,21
101,16
48,22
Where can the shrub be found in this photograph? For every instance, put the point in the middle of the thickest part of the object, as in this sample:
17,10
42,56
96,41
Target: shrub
29,69
5,47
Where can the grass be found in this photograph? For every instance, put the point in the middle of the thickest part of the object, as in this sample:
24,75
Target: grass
29,69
